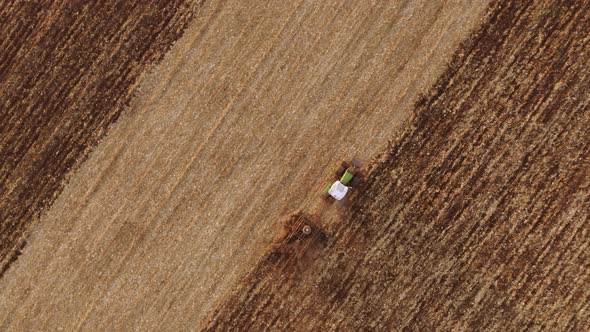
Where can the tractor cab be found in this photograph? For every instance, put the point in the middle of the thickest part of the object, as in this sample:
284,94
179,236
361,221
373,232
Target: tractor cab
338,190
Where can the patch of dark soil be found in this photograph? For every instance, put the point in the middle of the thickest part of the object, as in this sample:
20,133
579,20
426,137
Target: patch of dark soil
67,71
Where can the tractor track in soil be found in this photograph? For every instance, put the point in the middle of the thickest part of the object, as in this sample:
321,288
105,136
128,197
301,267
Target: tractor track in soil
477,215
67,71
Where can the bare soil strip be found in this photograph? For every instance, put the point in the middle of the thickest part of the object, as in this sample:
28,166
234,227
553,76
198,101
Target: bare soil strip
67,70
477,216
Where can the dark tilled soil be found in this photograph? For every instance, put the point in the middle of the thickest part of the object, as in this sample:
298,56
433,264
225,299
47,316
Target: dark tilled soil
67,70
476,217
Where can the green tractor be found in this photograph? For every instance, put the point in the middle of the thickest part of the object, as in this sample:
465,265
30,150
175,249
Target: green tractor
347,175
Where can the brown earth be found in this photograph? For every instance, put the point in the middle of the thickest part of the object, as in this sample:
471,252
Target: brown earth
240,124
477,216
67,70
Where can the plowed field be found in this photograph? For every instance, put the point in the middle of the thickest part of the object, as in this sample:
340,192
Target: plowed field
240,124
477,216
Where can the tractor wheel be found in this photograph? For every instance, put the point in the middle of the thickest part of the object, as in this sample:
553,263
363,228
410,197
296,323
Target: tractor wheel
341,169
355,167
327,198
356,180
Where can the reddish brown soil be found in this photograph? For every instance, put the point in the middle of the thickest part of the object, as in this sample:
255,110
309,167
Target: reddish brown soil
293,249
67,70
477,215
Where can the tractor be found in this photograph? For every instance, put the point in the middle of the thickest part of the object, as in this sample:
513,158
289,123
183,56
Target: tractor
347,175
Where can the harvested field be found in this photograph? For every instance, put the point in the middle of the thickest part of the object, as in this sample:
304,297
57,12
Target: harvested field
67,70
477,216
238,126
